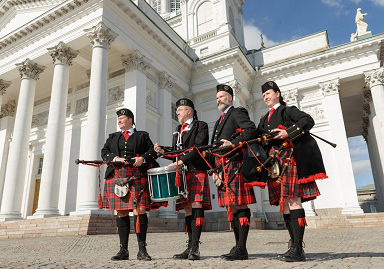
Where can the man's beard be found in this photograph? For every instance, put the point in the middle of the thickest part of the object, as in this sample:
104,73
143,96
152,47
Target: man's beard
223,105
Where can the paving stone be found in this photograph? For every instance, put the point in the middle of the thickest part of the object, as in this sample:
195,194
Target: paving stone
325,248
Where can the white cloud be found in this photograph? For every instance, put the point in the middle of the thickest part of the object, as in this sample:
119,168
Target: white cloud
253,39
378,2
332,3
361,167
358,148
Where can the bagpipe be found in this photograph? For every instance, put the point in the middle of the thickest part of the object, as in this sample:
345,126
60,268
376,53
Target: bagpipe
122,188
258,165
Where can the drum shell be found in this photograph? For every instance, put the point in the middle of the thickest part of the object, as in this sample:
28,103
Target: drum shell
162,183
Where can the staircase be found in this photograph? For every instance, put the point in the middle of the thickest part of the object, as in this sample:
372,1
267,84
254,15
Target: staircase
347,221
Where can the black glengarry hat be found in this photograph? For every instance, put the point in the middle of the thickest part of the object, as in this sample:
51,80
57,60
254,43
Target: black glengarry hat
126,112
185,102
269,85
225,88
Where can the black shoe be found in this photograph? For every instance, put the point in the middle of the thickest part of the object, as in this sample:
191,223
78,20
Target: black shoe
194,254
123,254
185,253
238,254
296,254
280,256
230,253
143,254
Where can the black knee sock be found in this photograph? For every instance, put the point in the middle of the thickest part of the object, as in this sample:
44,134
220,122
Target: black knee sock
188,226
142,236
235,227
244,216
197,223
287,220
298,224
123,225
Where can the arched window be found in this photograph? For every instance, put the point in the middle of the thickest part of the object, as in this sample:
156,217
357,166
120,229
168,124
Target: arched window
231,20
175,5
156,5
205,16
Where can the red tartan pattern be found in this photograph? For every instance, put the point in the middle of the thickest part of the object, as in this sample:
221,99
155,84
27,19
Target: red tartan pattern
290,185
112,202
198,190
239,194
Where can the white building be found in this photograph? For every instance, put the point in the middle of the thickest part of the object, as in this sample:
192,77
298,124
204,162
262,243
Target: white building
66,67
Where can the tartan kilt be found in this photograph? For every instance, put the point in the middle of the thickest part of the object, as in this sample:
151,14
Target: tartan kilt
112,202
198,190
289,183
239,194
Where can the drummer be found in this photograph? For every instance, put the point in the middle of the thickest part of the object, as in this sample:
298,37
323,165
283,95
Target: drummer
123,146
191,132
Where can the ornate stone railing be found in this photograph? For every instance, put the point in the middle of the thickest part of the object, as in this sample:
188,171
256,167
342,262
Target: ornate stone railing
203,37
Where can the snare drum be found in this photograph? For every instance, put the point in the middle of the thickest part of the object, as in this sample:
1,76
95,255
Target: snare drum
162,184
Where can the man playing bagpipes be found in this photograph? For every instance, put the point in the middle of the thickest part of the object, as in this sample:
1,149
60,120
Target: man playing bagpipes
134,150
191,132
235,197
294,148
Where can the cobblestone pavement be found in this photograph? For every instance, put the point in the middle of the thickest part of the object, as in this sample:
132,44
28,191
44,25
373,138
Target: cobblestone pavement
325,248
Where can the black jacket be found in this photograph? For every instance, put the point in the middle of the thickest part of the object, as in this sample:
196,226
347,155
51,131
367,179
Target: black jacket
196,136
306,152
144,148
234,119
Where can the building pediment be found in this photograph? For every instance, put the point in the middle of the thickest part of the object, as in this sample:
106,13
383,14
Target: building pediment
16,17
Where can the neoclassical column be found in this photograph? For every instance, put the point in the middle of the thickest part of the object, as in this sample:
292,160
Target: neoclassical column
3,87
18,153
101,37
165,83
373,146
165,6
7,116
340,167
135,93
375,82
62,57
375,130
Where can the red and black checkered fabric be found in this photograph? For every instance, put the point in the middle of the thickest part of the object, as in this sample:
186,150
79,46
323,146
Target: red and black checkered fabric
198,190
111,201
239,194
289,183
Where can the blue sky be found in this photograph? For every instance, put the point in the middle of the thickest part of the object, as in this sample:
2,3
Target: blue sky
360,161
283,20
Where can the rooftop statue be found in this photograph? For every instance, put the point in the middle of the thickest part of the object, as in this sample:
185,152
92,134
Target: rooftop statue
360,23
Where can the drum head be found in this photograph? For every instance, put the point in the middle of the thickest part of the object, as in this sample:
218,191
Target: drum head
161,170
121,191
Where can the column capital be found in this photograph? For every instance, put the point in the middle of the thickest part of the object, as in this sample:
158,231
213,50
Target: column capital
100,35
330,87
8,109
136,61
166,81
30,69
290,97
374,77
3,86
62,54
235,85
